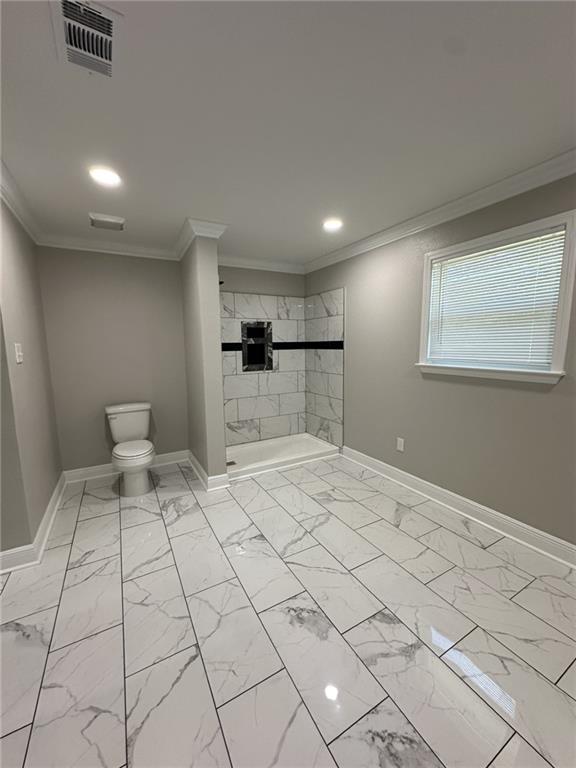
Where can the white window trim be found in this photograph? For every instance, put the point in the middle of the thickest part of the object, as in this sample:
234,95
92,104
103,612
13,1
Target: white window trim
564,302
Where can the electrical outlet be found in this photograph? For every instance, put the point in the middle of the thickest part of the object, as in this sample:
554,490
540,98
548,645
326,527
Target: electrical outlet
400,444
18,353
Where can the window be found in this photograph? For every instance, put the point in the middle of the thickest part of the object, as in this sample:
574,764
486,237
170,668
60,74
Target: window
499,306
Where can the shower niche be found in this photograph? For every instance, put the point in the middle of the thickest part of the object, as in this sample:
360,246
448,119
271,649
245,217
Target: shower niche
257,349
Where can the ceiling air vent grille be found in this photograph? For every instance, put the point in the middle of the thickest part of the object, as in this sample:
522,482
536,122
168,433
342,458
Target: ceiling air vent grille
84,34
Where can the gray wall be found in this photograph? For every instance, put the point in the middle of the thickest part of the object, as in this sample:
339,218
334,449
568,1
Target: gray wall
31,388
239,280
507,445
14,528
201,299
115,334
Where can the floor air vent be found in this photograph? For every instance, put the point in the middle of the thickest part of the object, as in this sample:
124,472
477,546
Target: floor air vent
84,34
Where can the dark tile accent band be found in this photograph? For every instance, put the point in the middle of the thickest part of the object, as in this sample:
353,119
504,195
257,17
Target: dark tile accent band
233,346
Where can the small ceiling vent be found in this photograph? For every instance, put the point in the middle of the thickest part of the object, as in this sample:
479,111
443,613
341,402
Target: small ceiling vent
84,34
103,221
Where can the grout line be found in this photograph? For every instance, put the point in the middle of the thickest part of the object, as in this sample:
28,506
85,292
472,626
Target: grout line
198,646
164,658
53,627
491,763
255,685
86,637
329,743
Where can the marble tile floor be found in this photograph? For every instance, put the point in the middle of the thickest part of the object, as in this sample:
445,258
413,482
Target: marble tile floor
318,616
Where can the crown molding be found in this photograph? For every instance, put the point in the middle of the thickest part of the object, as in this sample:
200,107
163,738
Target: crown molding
545,173
12,196
115,248
267,266
193,228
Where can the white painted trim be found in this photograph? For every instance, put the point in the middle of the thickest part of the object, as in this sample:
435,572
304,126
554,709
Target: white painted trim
532,537
503,374
545,173
209,482
267,266
100,470
16,203
31,554
495,239
96,246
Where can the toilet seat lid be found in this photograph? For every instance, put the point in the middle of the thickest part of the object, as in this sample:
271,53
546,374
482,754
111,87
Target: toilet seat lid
132,449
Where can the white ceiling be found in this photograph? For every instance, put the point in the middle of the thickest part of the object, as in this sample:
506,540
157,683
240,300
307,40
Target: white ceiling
270,116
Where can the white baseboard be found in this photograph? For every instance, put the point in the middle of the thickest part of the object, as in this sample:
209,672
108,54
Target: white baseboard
541,541
210,482
31,554
87,473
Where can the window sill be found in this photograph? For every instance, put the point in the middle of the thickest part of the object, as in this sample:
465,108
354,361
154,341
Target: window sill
504,374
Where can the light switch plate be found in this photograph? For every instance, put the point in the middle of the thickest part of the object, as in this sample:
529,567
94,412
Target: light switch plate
19,354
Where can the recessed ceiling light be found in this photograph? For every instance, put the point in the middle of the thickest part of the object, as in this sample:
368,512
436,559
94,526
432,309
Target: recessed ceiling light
106,177
332,225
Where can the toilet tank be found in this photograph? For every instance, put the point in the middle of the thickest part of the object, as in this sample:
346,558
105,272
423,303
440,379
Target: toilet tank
129,421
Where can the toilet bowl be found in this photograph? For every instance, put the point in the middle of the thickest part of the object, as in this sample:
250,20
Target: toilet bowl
133,453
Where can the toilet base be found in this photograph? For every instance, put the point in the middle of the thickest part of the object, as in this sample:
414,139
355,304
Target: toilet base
136,483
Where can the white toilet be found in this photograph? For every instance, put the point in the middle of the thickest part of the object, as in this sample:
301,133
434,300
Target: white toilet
133,453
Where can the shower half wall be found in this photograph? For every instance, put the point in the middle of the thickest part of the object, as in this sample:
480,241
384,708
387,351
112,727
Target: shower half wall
303,391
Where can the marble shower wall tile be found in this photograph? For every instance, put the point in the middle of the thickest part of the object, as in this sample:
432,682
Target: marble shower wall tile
156,620
36,588
336,687
291,308
257,407
171,720
382,738
324,407
277,383
253,306
330,384
241,385
226,304
230,331
291,360
324,429
238,432
270,726
279,426
266,579
292,402
229,364
236,650
458,726
80,715
542,646
432,619
341,596
24,646
91,602
536,709
200,560
230,411
145,548
479,562
285,330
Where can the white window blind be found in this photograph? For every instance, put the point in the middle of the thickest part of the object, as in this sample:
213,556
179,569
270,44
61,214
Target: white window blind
497,308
